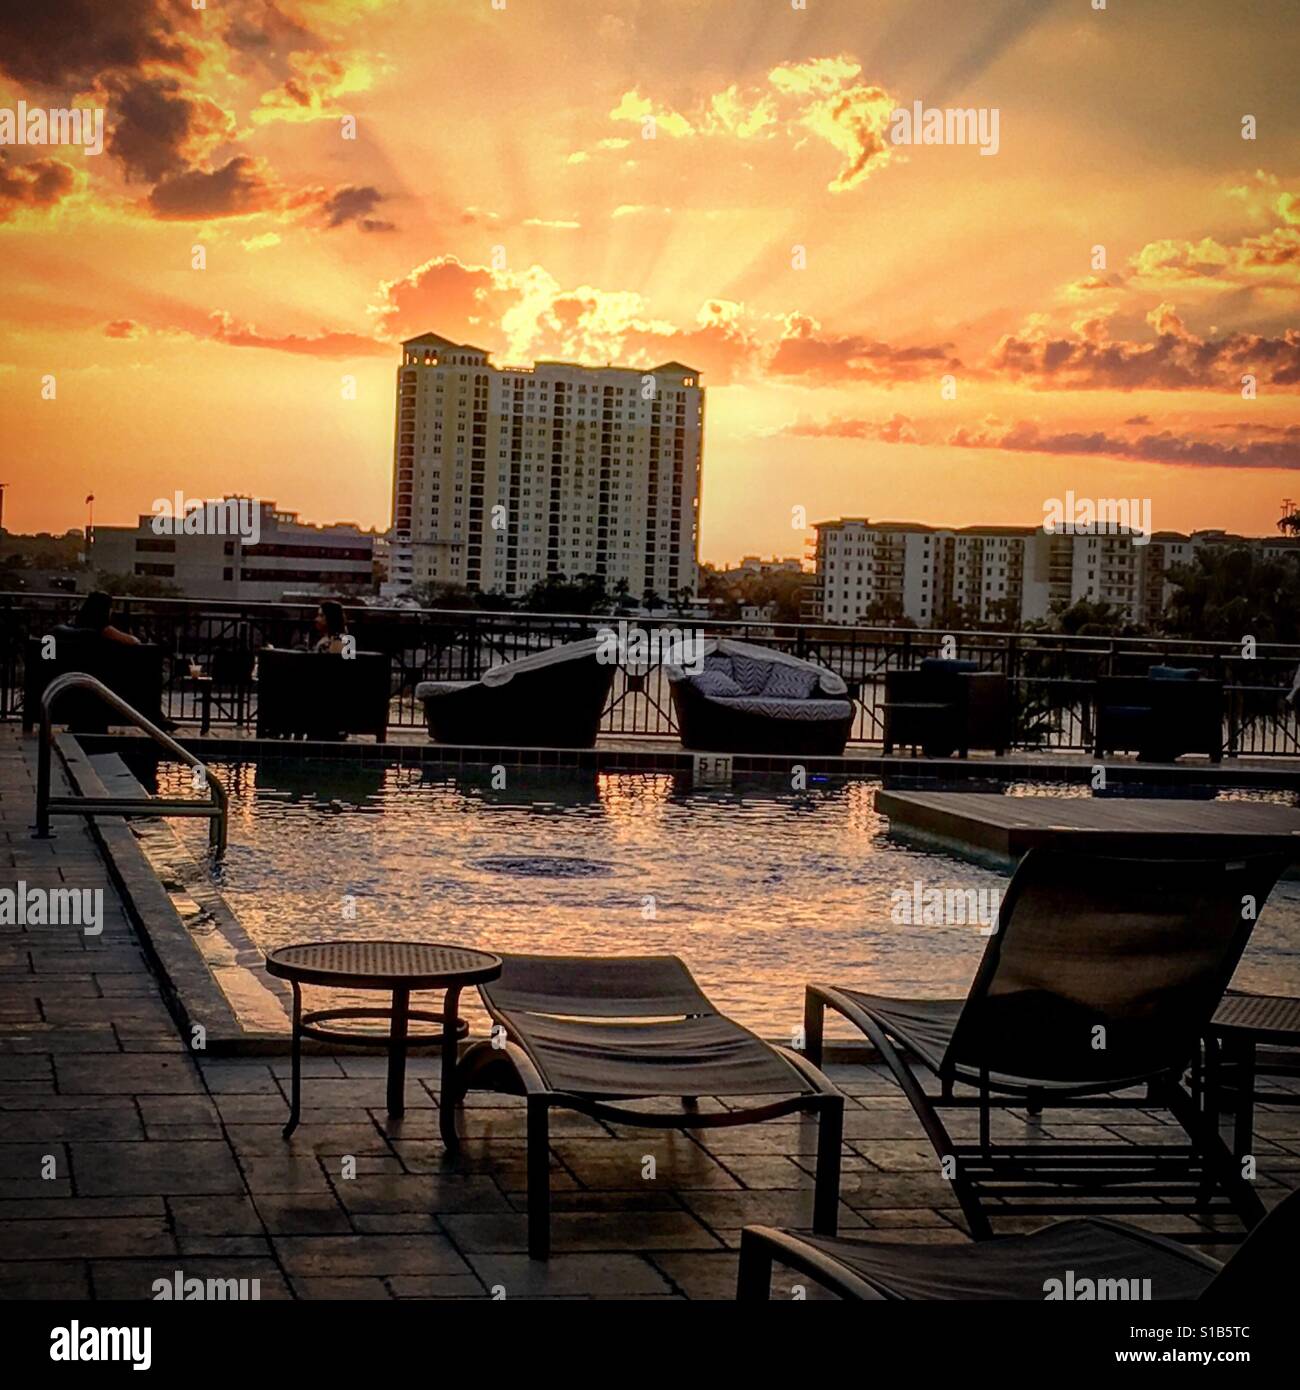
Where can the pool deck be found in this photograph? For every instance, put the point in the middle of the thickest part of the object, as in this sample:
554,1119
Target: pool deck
162,1160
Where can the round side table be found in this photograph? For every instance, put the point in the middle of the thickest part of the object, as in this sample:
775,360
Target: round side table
397,966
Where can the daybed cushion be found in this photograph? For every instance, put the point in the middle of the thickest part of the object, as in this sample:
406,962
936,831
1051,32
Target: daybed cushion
715,681
428,690
789,682
750,674
757,663
802,710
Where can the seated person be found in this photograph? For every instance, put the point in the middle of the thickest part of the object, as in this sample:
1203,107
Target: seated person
331,627
96,615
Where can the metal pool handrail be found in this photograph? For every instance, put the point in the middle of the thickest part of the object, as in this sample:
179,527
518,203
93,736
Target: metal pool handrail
217,810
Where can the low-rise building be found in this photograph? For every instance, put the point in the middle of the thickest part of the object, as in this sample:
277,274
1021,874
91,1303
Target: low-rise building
277,555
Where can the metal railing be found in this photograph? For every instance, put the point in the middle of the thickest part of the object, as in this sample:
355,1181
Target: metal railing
217,810
1052,676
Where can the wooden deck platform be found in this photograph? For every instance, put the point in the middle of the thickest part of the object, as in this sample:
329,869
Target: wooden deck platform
1004,827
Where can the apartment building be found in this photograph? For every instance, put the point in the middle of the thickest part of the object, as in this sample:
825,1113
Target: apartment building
505,476
877,571
276,555
871,572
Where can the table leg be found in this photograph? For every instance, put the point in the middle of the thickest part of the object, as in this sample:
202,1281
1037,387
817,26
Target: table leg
295,1083
1244,1128
450,1054
397,1053
206,725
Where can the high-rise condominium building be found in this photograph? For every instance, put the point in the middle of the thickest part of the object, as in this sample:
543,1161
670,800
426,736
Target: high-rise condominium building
505,476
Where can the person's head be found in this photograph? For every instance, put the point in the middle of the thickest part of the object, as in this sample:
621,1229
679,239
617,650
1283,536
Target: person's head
329,618
96,611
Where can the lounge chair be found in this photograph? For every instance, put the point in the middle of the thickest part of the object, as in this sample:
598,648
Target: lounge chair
133,672
1103,976
587,1031
550,699
1044,1264
322,695
947,707
1169,711
750,699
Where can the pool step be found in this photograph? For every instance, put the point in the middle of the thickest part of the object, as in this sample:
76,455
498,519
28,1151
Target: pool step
118,779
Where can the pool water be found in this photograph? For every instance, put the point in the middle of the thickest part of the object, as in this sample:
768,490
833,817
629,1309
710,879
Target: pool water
757,887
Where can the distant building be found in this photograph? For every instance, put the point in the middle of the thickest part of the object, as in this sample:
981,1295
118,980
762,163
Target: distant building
873,572
504,477
290,556
755,565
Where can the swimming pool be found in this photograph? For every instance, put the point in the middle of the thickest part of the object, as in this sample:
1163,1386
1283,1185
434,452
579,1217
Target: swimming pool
758,888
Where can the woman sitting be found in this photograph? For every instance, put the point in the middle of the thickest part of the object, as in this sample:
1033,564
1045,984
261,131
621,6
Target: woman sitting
331,627
96,615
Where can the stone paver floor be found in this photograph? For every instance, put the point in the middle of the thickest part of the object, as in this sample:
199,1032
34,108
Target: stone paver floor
123,1158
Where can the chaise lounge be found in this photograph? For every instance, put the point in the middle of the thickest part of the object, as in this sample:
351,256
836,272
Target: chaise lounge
584,1032
549,699
1097,1259
1102,978
750,699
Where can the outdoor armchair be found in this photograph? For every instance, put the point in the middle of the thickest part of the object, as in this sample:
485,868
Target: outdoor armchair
322,695
1169,711
946,707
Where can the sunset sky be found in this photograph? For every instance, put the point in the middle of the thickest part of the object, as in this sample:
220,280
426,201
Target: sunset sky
501,191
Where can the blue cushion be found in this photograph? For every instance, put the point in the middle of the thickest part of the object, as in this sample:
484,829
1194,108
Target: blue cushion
1174,673
714,681
749,674
789,682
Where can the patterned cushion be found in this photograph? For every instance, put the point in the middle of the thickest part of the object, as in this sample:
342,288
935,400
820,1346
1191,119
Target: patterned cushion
714,681
789,682
804,711
750,675
718,662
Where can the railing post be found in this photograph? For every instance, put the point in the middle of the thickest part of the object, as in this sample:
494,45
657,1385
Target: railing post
43,778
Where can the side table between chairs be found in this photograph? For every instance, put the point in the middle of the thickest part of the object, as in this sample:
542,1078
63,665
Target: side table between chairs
402,967
1242,1024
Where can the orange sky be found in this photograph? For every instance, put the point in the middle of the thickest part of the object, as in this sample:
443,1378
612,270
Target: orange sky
501,189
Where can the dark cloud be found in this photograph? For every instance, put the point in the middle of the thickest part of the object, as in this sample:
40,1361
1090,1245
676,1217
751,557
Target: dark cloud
325,344
40,183
1176,360
804,351
239,187
898,429
264,29
68,43
157,128
355,203
1165,447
